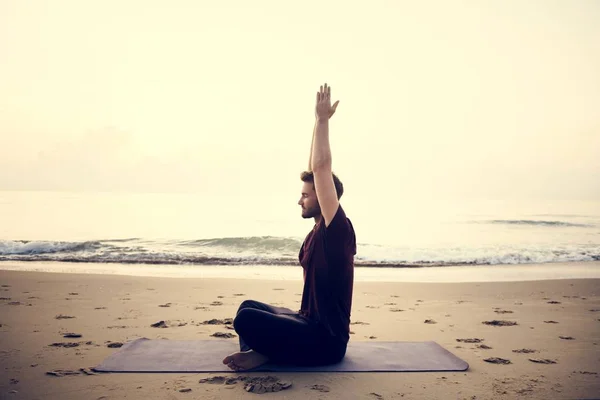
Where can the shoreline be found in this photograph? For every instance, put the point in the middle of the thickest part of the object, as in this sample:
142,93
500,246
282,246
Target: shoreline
448,274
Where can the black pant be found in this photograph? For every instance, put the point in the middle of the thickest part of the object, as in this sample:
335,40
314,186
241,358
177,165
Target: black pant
284,336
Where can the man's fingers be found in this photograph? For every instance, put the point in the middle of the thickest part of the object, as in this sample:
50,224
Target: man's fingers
334,106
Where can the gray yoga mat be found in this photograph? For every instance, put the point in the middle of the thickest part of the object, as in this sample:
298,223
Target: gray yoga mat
161,355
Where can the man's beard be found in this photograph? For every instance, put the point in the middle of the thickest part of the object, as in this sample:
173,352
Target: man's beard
311,212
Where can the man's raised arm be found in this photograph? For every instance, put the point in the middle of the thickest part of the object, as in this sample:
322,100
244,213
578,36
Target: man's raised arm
310,158
321,157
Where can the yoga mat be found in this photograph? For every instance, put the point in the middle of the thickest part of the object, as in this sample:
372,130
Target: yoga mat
161,355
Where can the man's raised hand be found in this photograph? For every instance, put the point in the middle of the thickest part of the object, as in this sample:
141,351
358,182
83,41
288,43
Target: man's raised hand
324,109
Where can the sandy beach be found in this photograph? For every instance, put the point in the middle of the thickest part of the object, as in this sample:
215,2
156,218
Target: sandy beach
558,320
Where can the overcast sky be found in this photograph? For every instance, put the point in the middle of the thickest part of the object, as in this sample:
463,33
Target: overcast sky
440,98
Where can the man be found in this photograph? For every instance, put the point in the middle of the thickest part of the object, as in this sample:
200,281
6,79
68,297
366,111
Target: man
318,334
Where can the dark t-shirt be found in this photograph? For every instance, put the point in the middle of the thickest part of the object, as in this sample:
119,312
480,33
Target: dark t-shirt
327,257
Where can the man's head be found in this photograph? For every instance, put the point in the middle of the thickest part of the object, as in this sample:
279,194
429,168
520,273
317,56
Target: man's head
308,199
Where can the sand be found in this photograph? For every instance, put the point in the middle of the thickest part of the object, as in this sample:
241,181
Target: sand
559,320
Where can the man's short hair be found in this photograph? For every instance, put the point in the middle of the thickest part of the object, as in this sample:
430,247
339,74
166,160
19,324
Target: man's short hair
308,176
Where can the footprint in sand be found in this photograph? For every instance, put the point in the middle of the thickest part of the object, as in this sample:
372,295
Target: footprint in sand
497,360
524,351
567,337
60,316
257,384
214,321
484,347
216,303
320,388
470,340
266,384
221,380
65,344
62,372
550,322
542,361
499,323
225,335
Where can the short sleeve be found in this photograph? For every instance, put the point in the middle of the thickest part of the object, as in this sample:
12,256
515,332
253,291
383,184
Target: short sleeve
339,236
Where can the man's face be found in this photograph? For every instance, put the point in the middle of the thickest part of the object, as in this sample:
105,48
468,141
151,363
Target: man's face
308,201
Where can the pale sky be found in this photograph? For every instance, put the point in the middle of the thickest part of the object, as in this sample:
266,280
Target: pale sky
440,98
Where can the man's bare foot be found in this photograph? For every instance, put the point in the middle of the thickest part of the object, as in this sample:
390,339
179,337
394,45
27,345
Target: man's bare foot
245,360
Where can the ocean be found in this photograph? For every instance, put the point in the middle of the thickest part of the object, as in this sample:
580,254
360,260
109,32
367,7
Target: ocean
193,230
